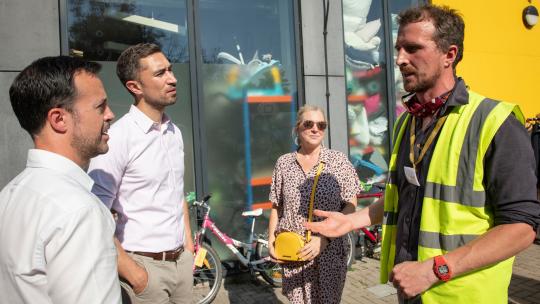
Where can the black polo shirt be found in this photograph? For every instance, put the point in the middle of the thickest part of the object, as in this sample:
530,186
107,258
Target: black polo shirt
509,177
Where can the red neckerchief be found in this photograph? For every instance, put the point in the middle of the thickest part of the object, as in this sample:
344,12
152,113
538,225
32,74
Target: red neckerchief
420,110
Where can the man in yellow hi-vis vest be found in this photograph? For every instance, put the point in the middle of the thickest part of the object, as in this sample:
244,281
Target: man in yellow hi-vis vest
460,201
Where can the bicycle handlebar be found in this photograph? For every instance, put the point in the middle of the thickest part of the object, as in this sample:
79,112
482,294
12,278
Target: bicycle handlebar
372,190
381,186
203,202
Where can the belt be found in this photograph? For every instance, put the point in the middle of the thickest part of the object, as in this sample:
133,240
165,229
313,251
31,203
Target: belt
171,255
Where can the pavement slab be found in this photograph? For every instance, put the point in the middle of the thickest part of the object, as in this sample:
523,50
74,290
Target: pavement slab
362,284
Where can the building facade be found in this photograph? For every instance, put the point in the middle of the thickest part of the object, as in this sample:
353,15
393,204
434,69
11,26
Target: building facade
243,69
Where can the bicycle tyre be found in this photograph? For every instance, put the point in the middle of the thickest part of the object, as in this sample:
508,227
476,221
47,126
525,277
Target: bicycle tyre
207,278
273,274
351,253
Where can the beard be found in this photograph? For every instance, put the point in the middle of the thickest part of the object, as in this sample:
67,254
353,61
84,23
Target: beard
88,147
422,81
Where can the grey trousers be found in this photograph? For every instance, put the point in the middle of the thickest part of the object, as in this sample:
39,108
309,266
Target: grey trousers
168,281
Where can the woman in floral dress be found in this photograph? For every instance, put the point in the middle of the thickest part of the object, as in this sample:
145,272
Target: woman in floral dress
320,278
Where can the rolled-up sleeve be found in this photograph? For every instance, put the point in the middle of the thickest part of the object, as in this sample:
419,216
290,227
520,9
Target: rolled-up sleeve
510,177
348,180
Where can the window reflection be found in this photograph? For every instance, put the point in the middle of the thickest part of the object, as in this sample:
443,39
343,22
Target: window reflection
101,30
367,101
249,95
396,6
366,76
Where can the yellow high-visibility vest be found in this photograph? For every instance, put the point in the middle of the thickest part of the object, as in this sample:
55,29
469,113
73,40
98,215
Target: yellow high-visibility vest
454,209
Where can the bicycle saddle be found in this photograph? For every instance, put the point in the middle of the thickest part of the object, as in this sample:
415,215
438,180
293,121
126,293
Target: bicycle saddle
255,212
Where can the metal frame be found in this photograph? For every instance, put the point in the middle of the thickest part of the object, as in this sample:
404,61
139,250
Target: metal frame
390,80
297,18
63,27
197,108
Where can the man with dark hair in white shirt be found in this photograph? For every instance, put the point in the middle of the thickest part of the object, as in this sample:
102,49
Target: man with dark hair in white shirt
142,180
56,237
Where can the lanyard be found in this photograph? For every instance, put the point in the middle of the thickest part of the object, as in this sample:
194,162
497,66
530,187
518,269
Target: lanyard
312,197
428,143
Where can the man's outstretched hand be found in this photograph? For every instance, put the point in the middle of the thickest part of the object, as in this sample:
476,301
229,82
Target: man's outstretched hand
335,224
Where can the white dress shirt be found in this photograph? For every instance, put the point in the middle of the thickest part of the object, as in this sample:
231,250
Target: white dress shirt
56,237
142,179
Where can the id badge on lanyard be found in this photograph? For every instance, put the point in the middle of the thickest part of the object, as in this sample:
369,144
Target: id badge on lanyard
410,172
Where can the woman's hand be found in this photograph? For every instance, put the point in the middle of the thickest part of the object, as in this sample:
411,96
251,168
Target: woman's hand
312,249
272,224
272,252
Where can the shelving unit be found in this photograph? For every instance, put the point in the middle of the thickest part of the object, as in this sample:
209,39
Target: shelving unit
267,180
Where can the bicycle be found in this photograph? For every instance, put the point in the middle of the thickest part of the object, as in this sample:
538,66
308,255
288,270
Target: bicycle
207,269
369,238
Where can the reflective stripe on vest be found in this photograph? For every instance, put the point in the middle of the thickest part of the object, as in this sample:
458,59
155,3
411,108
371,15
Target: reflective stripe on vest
453,210
388,240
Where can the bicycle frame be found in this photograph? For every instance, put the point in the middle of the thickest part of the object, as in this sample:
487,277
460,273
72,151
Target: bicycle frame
372,237
231,243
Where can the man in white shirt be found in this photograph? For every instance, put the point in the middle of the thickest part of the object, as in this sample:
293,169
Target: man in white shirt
56,238
141,179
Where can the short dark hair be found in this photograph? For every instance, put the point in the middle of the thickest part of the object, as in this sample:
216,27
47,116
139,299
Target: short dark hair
45,84
128,64
449,25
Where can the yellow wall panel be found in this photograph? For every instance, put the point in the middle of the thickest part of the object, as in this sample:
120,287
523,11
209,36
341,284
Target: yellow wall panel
502,57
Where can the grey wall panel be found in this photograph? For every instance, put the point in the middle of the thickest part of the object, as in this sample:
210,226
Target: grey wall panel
14,140
315,95
338,115
312,38
314,87
28,30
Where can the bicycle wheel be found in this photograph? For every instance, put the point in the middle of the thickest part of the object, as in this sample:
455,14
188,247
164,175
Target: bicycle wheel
207,278
272,272
351,253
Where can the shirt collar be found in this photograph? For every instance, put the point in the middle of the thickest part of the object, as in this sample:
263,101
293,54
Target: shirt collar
459,96
146,124
38,158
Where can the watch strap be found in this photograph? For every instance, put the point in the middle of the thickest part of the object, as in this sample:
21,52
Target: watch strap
441,268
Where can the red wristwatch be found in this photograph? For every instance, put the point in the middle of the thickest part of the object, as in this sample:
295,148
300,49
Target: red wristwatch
441,269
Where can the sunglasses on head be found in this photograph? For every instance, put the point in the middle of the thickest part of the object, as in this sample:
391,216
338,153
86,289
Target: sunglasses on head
308,124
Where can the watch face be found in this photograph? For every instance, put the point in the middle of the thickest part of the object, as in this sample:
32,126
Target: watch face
443,269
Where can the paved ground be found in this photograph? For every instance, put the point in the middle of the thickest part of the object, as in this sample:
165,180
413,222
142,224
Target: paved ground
362,284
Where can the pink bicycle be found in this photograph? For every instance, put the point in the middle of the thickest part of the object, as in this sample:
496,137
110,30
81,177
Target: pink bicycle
207,269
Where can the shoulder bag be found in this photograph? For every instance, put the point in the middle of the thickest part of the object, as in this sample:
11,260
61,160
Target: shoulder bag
287,244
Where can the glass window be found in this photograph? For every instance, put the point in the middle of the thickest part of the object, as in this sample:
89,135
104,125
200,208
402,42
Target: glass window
366,71
101,30
367,100
396,6
249,93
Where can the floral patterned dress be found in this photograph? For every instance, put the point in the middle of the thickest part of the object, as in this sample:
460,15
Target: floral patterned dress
321,280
